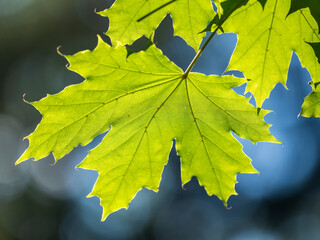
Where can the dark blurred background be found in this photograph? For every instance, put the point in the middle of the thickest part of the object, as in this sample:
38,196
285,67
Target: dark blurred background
39,200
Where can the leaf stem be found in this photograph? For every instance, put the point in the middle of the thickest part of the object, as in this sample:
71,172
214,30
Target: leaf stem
155,10
195,59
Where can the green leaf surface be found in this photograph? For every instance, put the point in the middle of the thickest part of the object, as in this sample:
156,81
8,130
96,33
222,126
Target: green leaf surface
226,7
314,7
267,38
311,105
148,102
130,20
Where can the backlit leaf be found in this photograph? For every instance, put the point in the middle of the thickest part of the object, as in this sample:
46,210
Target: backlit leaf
148,101
130,20
267,38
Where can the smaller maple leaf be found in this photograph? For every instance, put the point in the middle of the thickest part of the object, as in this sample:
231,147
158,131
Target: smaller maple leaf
130,20
267,38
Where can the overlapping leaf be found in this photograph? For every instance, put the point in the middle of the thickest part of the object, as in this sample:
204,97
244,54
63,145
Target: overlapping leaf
311,105
313,5
130,20
267,38
218,4
147,101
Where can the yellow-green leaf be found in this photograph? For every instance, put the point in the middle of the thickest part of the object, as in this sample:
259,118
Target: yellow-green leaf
311,105
267,38
130,20
148,101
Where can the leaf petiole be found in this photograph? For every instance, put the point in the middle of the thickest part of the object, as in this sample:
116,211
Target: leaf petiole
155,10
195,59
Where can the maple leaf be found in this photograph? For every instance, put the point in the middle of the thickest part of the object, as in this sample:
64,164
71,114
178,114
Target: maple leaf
130,20
148,101
314,7
311,105
267,38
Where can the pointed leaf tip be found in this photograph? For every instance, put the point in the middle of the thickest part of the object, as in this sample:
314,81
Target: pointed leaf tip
58,50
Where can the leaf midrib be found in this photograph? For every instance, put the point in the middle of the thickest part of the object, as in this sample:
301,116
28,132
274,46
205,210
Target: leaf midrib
128,69
140,141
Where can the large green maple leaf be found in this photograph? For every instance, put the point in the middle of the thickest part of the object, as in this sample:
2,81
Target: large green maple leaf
267,38
130,20
148,101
